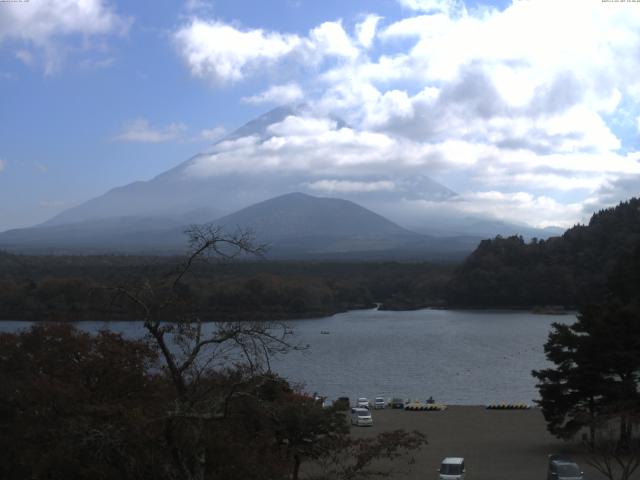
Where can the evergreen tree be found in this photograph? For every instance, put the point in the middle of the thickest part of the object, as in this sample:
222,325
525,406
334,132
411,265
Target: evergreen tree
597,363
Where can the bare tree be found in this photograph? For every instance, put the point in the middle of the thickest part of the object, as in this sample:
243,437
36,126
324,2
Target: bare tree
192,348
614,454
197,356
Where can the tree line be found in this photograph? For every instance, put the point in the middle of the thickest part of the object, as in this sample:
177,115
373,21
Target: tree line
568,271
73,288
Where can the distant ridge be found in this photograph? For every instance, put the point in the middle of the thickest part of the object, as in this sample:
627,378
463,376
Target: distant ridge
180,197
176,192
294,225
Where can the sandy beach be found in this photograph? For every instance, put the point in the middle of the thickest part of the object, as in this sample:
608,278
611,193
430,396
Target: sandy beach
496,444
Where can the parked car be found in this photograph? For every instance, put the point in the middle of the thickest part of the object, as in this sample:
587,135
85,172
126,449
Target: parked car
562,467
362,402
379,403
397,403
361,417
452,468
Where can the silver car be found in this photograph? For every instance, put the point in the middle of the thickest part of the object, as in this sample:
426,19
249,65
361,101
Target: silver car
563,468
361,417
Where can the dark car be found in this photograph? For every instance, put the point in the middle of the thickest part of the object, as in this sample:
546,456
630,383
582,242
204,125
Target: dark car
342,403
397,403
562,467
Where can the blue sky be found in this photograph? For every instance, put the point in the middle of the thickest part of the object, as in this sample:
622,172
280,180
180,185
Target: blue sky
528,109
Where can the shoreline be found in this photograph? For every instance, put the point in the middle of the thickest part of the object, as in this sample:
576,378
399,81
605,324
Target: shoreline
319,315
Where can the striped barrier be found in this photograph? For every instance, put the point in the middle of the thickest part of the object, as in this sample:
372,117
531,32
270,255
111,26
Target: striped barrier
425,407
508,406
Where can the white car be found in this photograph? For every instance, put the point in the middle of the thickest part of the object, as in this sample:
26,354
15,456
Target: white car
362,402
379,403
452,468
361,417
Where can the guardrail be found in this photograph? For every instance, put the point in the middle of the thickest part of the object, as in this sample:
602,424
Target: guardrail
425,407
508,406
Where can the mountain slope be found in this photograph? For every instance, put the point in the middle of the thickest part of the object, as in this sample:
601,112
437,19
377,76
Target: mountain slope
569,270
297,223
177,191
115,234
299,215
294,225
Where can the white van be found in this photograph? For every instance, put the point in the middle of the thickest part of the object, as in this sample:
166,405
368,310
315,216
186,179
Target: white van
452,468
361,417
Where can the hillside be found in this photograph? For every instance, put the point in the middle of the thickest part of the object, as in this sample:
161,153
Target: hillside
294,226
569,270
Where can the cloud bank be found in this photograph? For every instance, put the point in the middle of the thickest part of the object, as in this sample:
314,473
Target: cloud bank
44,30
524,111
277,94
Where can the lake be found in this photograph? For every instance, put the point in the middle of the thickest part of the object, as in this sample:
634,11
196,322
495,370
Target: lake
458,357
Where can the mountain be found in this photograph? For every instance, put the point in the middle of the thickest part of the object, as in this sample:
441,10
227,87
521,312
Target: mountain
300,215
178,192
294,225
181,197
569,270
300,223
115,234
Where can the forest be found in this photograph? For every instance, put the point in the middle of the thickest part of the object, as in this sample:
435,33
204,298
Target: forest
77,287
563,272
567,271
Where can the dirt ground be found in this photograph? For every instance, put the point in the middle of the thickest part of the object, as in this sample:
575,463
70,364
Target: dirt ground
496,444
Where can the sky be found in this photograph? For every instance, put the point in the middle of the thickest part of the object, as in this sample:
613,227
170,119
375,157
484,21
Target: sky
528,109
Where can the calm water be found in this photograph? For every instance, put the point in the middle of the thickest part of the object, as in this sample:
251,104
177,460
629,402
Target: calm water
458,357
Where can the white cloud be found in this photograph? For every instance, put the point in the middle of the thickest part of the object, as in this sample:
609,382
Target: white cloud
516,207
278,94
41,28
540,211
319,146
522,98
343,186
223,53
302,127
366,30
330,39
214,133
430,6
139,130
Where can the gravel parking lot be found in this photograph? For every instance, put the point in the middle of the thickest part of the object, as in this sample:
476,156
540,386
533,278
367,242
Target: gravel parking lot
496,444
